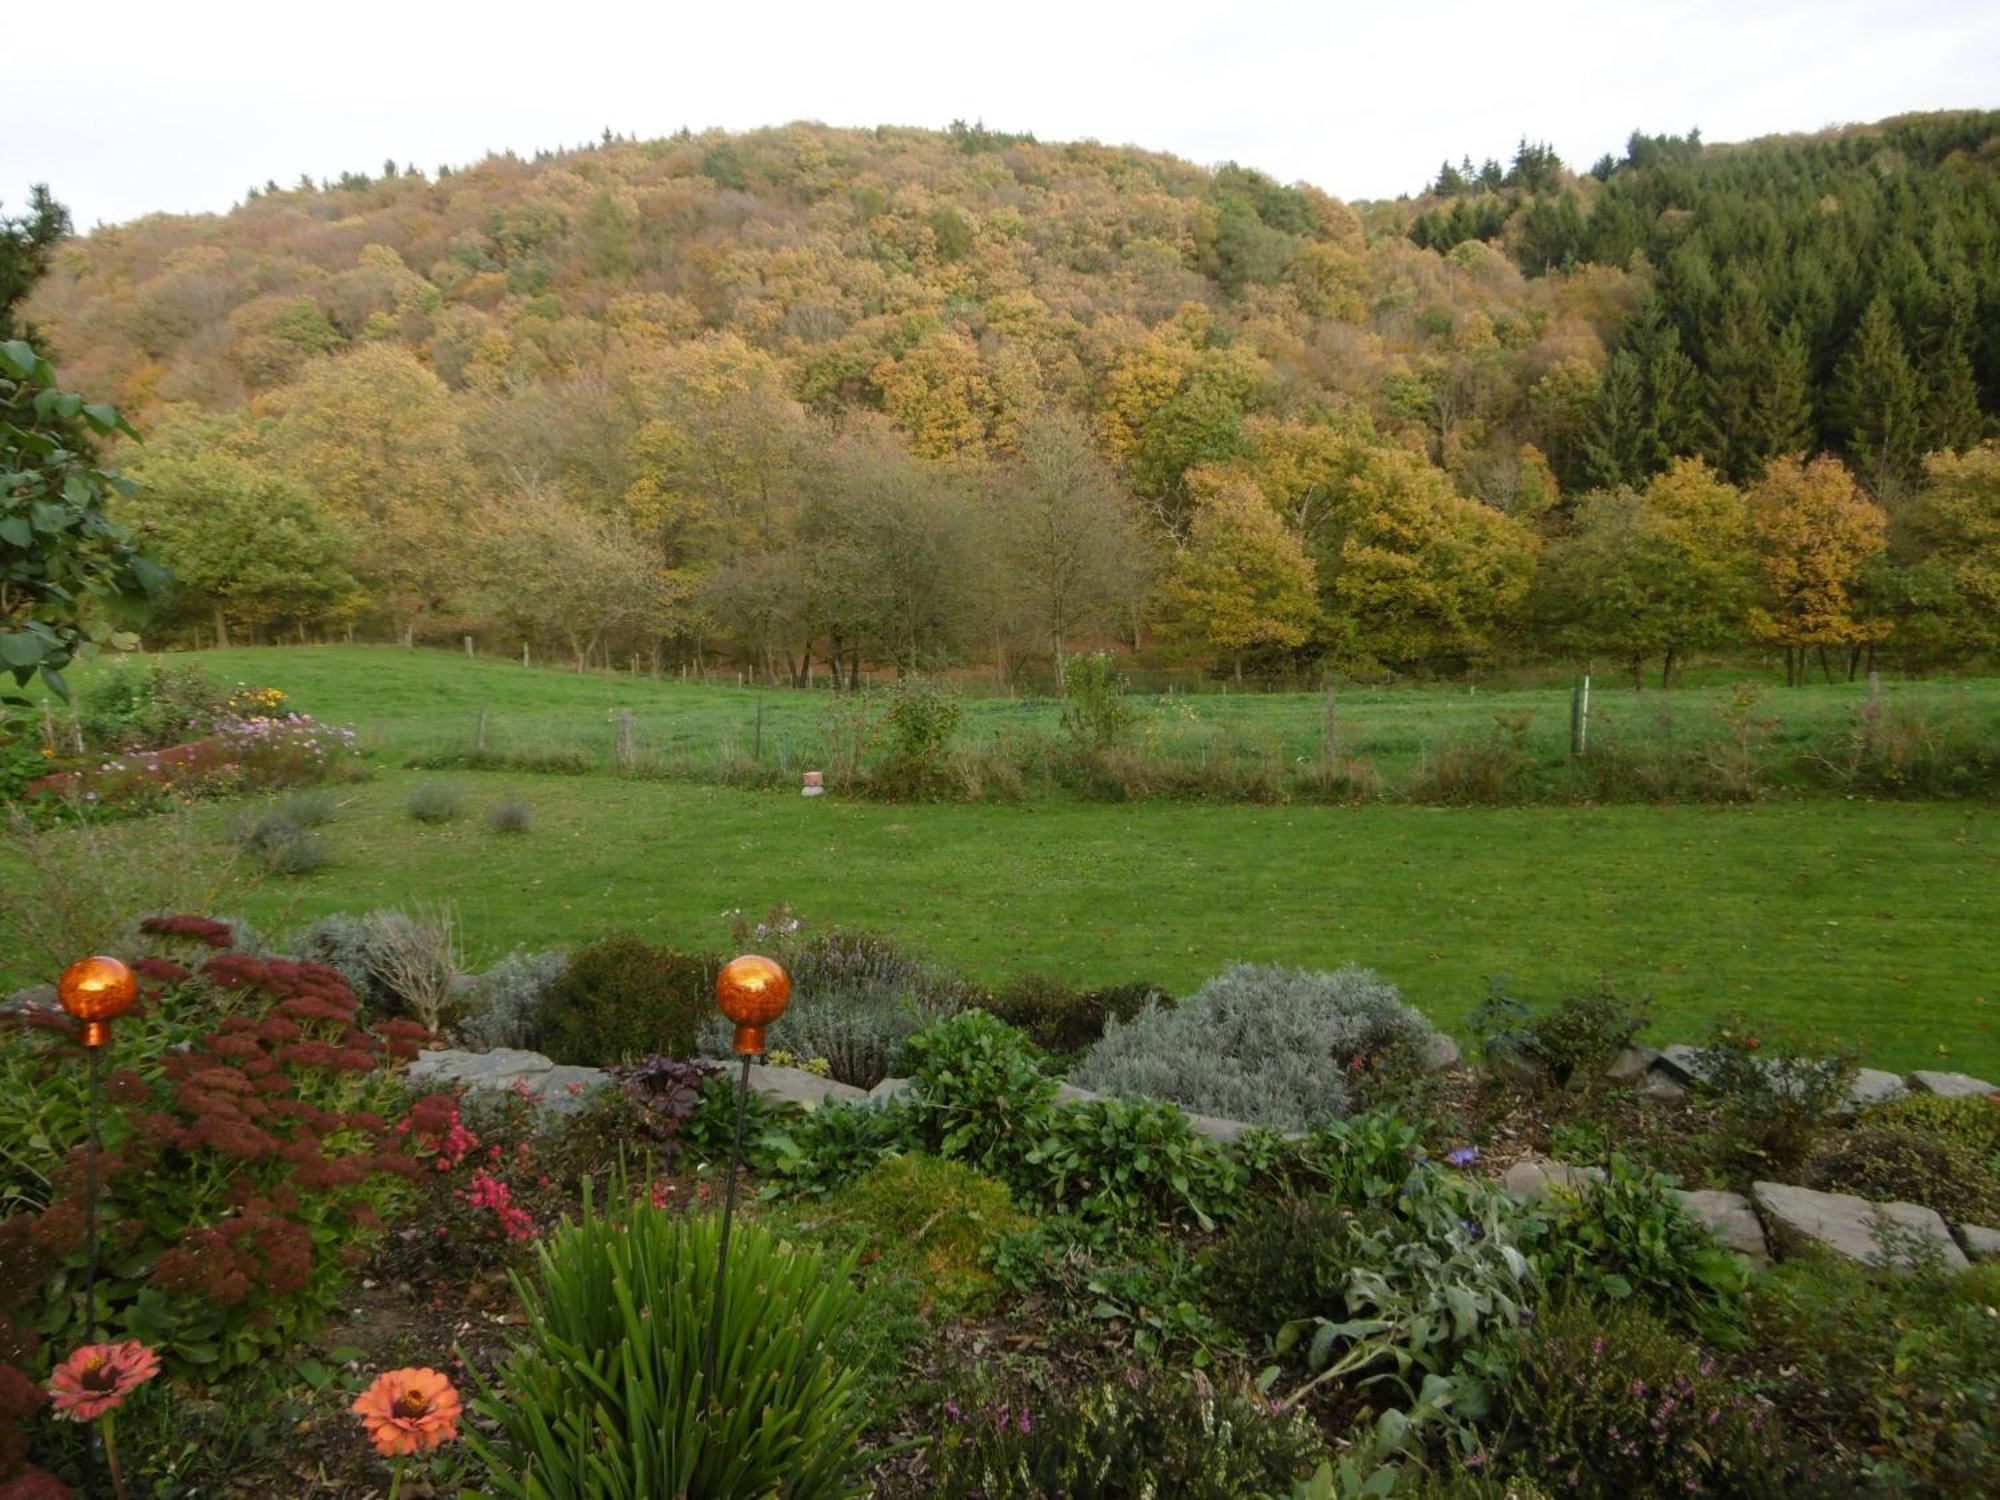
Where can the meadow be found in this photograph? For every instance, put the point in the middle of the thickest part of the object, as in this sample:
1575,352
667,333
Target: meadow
1871,921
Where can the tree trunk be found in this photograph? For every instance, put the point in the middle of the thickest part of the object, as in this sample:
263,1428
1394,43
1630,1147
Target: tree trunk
1825,670
1667,670
1638,674
1239,669
1853,660
221,628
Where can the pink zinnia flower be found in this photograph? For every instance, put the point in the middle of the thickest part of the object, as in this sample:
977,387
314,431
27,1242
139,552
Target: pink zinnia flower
98,1377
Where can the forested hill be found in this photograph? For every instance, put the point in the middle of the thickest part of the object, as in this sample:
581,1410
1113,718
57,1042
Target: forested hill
667,343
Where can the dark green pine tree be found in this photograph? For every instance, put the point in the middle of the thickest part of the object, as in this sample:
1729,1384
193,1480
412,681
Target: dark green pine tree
1788,411
1611,450
1676,420
1879,401
25,245
1952,418
1741,367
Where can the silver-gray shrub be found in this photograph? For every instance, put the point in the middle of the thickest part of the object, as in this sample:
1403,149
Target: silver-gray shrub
508,1001
341,942
1260,1043
859,1028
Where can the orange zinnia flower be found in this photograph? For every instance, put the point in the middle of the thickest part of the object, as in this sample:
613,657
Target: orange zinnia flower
98,1377
409,1411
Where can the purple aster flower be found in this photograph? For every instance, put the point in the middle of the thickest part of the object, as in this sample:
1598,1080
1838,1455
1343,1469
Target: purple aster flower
1462,1156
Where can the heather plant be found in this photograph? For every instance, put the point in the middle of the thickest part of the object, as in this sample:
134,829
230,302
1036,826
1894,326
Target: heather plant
1264,1044
602,1393
509,1000
1896,1373
1610,1402
1116,1440
1282,1261
1970,1120
1911,1166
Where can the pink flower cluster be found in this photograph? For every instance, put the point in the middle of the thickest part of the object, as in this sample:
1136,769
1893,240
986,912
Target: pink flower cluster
489,1192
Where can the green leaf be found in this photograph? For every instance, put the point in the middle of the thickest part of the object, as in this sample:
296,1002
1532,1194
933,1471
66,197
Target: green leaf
18,358
18,648
16,532
58,684
101,415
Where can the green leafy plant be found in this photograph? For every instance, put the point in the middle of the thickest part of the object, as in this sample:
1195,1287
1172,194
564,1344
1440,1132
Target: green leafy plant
921,721
1571,1042
1284,1260
1058,1017
1972,1120
1131,1162
981,1093
622,999
819,1151
602,1398
1124,1440
1625,1237
1096,713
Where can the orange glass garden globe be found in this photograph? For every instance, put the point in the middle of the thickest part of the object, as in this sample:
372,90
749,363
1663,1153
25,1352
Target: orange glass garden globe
753,991
97,990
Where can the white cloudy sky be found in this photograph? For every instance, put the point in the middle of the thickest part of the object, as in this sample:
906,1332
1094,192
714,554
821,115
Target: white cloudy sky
127,108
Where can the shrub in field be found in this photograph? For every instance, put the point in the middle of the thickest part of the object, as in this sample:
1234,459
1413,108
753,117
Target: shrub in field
1572,1042
1897,1373
1775,1097
1626,1237
1061,1018
602,1394
1612,1403
622,999
1912,1166
508,1002
149,707
920,722
434,802
314,809
1096,714
1972,1120
1116,1440
281,847
248,1156
511,816
1272,1046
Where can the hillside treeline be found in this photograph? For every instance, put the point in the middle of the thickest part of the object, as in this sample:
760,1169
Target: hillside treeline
863,398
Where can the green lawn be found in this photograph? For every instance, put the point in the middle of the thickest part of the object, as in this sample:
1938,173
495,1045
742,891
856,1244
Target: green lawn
1872,921
404,702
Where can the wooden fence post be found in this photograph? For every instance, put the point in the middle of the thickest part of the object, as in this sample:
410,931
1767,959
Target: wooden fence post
468,645
1579,716
757,745
479,739
1330,732
625,739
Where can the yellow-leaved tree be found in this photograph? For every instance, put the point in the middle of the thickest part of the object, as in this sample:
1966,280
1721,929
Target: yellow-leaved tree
1815,532
1242,585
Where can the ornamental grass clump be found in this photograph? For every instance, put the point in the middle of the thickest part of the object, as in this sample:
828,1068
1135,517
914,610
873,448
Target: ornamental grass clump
602,1399
1272,1046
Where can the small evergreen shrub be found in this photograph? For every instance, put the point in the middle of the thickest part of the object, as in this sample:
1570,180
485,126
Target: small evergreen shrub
602,1394
1610,1403
434,802
1283,1260
1260,1043
1911,1166
282,847
859,1030
1972,1120
1119,1440
509,1000
622,999
1058,1017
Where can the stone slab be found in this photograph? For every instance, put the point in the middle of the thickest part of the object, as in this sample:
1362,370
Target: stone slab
1659,1085
1631,1063
1951,1085
1871,1087
1678,1062
1439,1052
498,1069
1216,1128
566,1088
1731,1219
1981,1243
1549,1179
1069,1093
1801,1218
807,1090
890,1089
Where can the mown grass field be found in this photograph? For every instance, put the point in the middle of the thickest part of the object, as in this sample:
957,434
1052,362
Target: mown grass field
407,703
1875,922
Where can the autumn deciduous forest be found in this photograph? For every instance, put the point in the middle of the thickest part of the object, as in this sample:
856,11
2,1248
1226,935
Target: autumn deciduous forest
826,401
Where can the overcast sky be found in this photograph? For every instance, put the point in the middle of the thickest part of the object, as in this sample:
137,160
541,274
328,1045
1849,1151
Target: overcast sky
178,105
